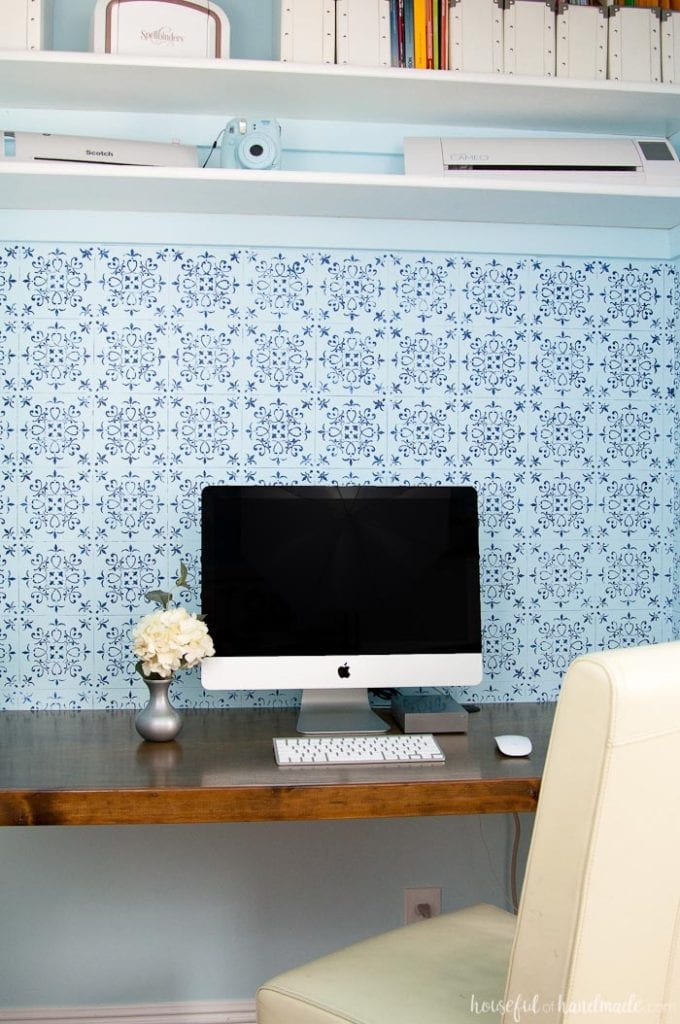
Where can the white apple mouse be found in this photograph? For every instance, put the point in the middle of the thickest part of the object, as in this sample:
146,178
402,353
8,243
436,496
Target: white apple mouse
514,746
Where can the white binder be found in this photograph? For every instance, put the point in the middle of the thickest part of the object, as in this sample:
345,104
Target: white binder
160,28
304,31
634,44
476,35
529,37
362,32
581,41
25,24
670,46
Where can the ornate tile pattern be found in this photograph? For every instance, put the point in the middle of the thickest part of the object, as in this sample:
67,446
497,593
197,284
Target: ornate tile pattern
132,376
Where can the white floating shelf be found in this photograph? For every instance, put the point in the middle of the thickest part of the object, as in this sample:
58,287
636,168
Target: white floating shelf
87,81
110,84
282,193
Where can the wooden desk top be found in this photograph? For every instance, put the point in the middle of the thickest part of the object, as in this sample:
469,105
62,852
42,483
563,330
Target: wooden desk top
92,768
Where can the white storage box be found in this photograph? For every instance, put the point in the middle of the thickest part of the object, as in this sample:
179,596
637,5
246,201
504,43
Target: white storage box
529,37
304,31
476,35
362,32
581,41
670,46
634,44
25,24
160,28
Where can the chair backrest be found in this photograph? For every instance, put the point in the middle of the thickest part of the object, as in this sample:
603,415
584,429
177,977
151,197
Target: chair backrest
598,931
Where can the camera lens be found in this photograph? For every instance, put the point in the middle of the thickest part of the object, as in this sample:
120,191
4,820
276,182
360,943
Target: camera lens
258,151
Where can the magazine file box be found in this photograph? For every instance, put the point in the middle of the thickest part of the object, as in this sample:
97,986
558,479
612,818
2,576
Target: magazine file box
581,42
529,37
362,32
634,44
304,31
476,36
670,46
25,24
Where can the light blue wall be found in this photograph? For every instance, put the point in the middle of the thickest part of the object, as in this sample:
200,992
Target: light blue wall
135,374
179,914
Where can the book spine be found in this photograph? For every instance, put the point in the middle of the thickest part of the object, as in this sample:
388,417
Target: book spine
429,34
420,33
409,35
435,34
444,34
394,34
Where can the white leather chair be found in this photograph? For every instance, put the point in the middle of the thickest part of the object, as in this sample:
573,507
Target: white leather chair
597,937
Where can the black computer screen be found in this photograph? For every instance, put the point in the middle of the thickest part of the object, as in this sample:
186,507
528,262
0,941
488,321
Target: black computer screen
340,570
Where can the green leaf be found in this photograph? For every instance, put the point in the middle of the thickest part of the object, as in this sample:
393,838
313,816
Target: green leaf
182,580
161,597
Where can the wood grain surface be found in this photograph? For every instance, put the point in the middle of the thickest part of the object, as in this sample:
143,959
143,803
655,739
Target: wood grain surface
92,768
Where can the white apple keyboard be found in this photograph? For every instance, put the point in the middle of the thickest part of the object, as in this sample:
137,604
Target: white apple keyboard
414,748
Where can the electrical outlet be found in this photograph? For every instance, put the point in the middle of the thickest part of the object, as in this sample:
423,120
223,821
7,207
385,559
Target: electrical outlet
420,904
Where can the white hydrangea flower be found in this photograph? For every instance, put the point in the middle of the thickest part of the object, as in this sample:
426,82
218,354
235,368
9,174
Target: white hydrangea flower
169,639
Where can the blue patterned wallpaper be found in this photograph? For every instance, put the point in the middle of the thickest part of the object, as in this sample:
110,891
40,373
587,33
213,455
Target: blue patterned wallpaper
132,377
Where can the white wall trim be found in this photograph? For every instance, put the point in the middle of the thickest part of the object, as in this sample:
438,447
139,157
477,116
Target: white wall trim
238,1011
50,226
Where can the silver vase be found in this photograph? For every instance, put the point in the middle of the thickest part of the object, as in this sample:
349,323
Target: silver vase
158,721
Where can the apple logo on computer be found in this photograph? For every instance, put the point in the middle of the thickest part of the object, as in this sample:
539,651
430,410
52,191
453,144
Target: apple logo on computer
343,671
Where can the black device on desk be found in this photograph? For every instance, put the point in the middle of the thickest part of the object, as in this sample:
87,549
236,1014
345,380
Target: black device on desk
334,590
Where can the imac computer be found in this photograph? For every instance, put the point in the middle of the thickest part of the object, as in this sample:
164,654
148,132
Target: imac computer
339,590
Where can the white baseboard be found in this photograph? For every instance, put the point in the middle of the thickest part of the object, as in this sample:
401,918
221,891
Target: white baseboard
233,1011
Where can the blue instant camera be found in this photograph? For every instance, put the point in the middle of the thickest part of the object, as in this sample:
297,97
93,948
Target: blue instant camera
254,145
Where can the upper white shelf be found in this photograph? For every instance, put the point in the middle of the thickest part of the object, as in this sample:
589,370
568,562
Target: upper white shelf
94,82
87,81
